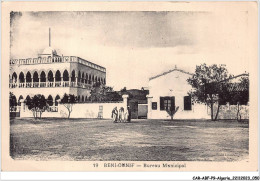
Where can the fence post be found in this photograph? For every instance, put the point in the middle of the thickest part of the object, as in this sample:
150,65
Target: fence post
149,104
125,98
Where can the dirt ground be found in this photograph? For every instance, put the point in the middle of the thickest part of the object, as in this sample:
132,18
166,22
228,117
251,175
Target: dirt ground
140,140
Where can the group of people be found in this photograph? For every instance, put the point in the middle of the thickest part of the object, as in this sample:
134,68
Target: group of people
121,115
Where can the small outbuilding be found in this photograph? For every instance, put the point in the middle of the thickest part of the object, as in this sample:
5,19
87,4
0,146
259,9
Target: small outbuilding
169,90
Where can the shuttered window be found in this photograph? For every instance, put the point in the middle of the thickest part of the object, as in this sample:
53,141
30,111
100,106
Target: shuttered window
187,102
161,103
154,105
167,103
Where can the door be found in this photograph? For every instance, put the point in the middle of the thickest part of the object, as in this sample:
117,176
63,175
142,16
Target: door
134,109
142,111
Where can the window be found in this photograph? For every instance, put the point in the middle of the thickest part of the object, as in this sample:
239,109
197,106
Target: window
167,103
154,105
187,102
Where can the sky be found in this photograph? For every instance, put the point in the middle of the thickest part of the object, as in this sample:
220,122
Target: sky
134,46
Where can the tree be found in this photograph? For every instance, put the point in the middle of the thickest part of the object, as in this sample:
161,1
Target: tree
172,112
101,92
12,101
37,104
68,101
205,83
123,90
241,95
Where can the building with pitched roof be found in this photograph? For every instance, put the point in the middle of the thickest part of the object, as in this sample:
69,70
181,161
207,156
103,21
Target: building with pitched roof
170,90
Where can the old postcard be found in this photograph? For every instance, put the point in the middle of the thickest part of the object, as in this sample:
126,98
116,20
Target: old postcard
129,86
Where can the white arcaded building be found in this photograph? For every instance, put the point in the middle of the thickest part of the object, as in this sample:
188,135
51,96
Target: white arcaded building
53,75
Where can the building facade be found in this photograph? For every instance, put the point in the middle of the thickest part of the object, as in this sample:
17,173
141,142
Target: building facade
52,76
170,89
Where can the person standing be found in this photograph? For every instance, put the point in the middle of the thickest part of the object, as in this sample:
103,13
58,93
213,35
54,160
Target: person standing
121,114
114,114
128,114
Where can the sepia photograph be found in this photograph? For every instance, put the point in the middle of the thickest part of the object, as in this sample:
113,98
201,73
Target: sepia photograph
137,89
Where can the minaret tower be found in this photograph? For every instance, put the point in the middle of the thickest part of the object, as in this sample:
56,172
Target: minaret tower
49,51
49,37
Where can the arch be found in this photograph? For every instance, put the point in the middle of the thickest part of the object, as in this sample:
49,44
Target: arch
50,76
27,99
20,97
21,77
104,80
14,77
28,77
92,78
86,79
13,101
50,100
96,79
86,98
43,97
79,74
56,100
78,98
65,75
35,77
43,76
82,77
73,76
82,99
57,76
99,79
19,100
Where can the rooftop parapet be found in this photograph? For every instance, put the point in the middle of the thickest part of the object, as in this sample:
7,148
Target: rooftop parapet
60,59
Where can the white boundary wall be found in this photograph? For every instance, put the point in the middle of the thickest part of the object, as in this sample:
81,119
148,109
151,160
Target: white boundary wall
90,110
80,110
